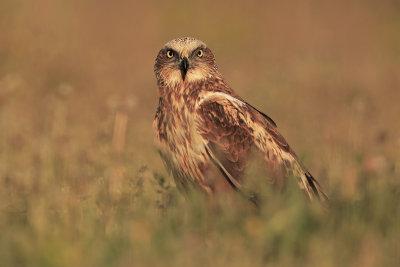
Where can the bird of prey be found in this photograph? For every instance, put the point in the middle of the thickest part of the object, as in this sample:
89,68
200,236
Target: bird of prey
208,136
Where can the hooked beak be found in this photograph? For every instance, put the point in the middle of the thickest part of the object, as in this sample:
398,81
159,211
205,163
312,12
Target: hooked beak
184,67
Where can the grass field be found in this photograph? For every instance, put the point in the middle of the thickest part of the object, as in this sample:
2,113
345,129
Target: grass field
81,183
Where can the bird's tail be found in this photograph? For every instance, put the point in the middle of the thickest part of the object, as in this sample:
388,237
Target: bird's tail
308,183
313,188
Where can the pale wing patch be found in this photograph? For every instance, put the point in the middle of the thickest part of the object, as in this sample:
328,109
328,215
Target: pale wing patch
219,96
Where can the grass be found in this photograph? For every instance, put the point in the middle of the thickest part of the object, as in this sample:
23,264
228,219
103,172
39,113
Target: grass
82,184
106,224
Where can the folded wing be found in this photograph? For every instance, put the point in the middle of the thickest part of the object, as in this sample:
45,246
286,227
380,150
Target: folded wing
234,130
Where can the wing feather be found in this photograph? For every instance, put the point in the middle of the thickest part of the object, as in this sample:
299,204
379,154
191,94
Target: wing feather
233,129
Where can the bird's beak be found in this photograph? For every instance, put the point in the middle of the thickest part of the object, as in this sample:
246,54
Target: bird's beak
184,66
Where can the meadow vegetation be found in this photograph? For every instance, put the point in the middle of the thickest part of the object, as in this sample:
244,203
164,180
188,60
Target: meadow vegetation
81,183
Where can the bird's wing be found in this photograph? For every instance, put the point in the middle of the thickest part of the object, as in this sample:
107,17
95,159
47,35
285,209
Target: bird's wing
232,130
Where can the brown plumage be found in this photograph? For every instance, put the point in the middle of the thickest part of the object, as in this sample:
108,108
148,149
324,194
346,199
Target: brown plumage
207,135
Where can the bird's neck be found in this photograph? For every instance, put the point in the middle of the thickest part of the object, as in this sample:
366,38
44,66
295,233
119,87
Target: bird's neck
178,96
190,90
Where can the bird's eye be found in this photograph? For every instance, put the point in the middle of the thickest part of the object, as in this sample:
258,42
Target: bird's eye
170,54
200,53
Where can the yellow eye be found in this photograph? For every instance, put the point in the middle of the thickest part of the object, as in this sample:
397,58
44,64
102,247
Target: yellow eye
200,53
170,53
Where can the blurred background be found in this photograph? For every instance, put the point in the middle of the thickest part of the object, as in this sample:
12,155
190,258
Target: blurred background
78,96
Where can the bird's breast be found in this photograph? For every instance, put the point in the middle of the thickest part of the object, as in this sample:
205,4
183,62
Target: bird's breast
179,142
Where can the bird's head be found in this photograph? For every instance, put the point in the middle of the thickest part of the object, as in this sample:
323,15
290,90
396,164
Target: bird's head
184,60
